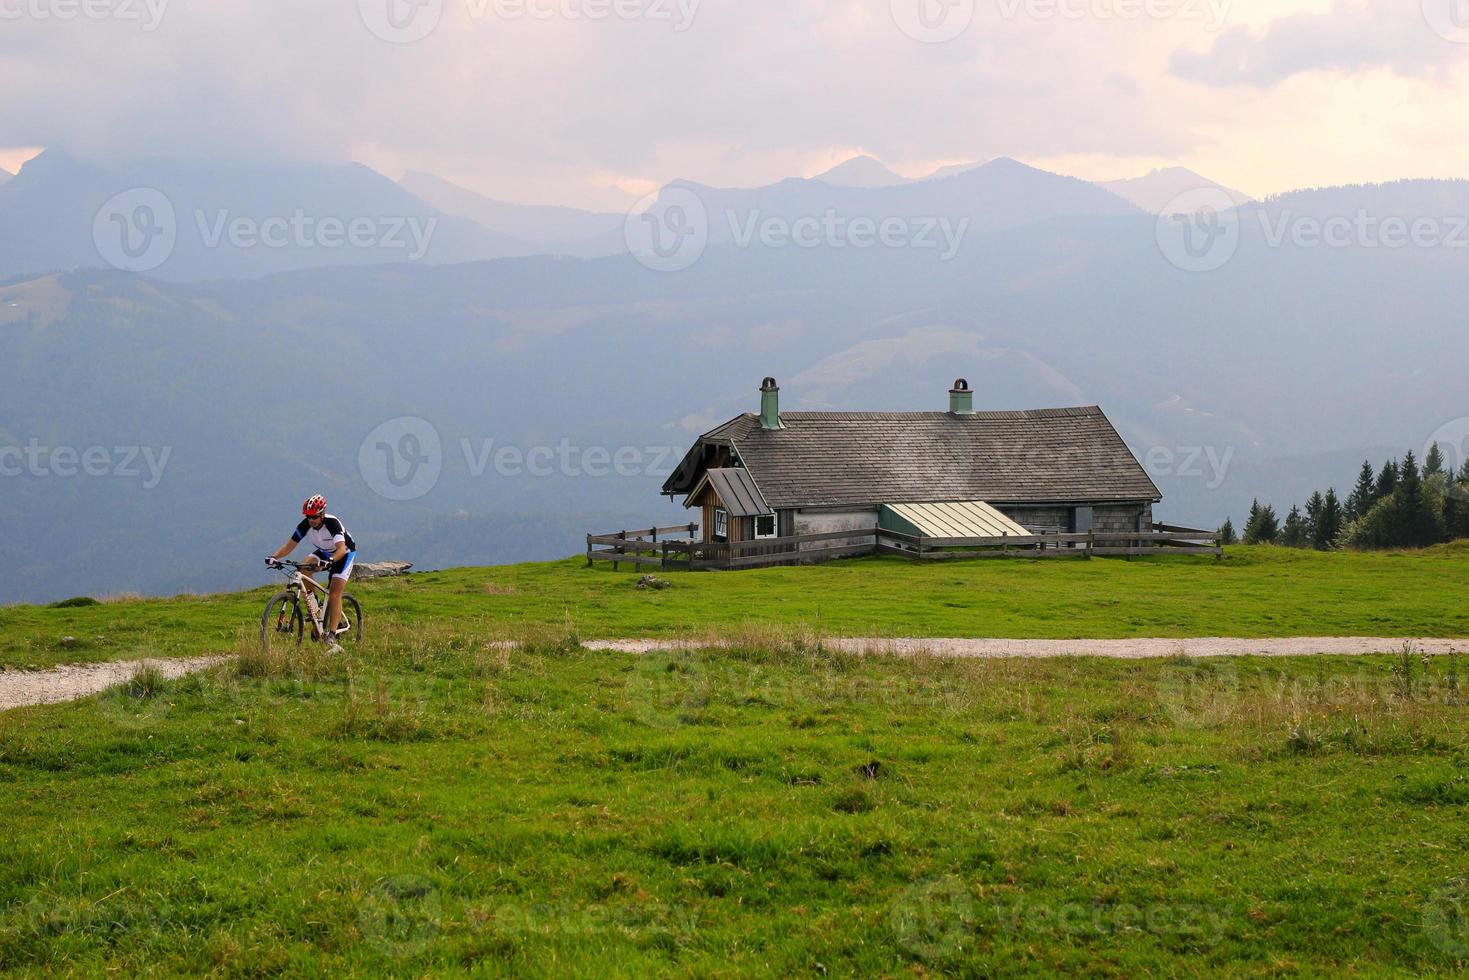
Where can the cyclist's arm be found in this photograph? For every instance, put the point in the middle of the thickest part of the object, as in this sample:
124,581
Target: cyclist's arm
290,545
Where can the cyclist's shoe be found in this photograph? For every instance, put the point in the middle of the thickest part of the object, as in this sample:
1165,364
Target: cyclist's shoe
333,647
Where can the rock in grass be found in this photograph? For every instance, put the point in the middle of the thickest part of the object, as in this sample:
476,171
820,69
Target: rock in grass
381,569
653,582
81,600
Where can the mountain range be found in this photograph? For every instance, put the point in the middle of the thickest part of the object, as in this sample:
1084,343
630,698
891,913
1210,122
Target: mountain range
238,222
1160,191
1270,375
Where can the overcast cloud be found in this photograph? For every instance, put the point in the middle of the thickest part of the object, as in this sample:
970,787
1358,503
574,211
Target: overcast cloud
551,102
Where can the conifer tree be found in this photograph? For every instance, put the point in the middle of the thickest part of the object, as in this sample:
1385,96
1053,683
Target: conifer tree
1455,516
1295,533
1328,526
1387,481
1314,506
1433,462
1264,526
1226,533
1363,494
1416,522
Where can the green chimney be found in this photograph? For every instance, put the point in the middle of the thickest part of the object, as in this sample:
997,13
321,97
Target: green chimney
961,399
770,405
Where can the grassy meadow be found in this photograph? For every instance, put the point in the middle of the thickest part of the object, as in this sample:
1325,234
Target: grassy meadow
439,802
1253,592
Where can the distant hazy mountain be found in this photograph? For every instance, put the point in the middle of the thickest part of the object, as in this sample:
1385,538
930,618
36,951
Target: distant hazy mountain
952,169
1244,381
558,229
1411,199
184,221
998,195
1156,191
861,171
5,175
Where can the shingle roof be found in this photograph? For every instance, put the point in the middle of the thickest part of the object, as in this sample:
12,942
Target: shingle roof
1057,455
737,491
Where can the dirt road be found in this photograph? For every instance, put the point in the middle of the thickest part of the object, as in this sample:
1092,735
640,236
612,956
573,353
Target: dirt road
19,688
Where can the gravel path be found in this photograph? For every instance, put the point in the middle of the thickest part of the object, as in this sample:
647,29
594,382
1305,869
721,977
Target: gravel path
20,687
23,687
1210,646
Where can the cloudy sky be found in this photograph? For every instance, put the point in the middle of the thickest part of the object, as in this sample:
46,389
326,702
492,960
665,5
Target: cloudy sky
590,101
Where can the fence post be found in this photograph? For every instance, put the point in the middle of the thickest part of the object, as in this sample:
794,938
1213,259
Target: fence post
618,549
663,565
589,551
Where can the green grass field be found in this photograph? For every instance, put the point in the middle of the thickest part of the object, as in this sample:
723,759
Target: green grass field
1254,592
433,804
436,802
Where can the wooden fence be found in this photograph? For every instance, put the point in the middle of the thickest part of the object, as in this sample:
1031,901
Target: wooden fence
654,548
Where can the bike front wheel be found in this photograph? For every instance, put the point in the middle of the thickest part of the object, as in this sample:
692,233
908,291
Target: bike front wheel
282,626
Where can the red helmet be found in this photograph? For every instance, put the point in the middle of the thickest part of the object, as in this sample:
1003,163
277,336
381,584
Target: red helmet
314,506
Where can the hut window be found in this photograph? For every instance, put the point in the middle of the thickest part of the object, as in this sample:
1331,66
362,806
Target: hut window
765,527
721,522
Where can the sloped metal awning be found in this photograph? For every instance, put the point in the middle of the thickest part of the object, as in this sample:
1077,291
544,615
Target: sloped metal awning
962,519
736,490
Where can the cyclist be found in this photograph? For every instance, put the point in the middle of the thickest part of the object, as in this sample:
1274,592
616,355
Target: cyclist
332,547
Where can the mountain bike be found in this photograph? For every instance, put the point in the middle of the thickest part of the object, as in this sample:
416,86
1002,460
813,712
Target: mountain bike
286,614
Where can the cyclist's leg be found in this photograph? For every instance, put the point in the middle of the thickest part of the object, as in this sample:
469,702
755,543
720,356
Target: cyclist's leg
341,571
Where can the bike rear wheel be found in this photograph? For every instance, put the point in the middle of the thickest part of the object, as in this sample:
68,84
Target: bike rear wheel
283,626
352,613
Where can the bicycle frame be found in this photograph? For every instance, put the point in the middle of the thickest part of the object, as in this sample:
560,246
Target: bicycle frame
297,581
